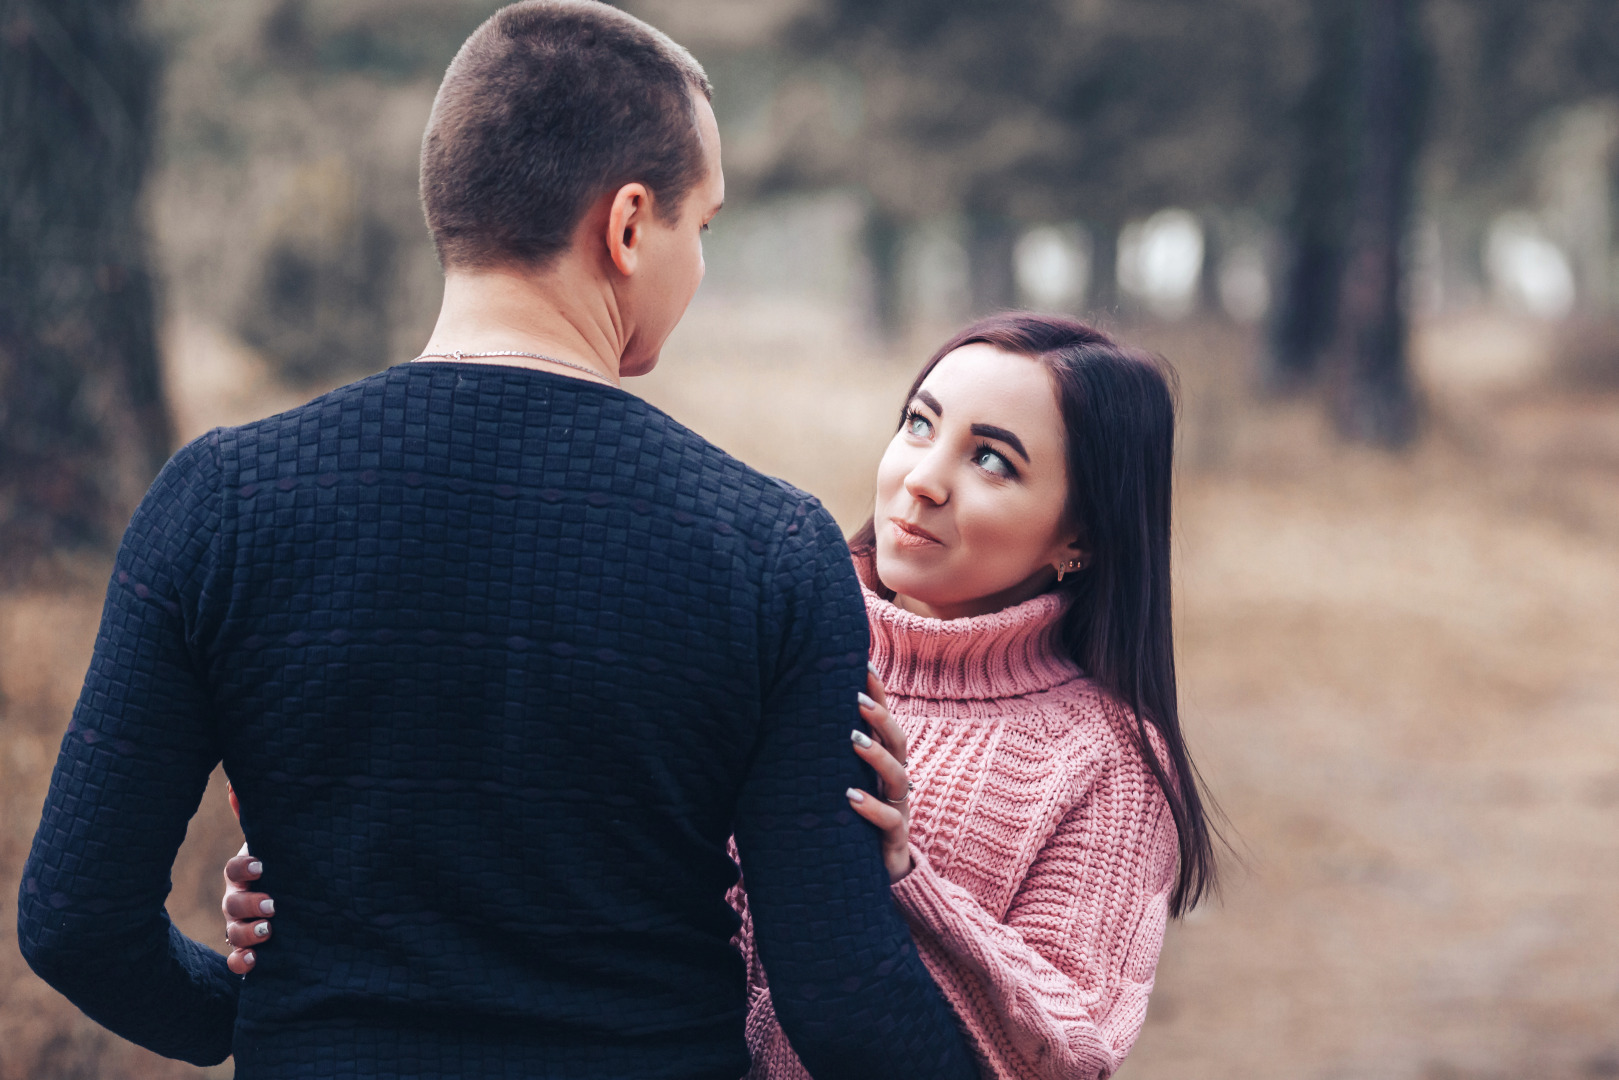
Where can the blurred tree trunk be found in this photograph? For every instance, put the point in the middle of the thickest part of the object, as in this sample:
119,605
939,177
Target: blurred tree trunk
1316,234
1342,301
990,281
83,423
884,242
1372,397
1102,293
1208,275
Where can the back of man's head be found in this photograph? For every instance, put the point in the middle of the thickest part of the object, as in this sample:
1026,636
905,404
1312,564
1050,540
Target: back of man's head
549,105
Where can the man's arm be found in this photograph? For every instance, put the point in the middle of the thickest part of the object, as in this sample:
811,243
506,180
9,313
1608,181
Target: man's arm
132,770
848,986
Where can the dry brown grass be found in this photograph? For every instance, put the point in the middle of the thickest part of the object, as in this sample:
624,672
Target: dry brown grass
1401,676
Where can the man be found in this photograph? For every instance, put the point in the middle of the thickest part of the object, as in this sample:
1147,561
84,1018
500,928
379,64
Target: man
496,657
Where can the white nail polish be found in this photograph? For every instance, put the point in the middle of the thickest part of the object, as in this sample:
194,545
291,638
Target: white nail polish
865,702
248,959
871,667
860,739
255,868
855,795
266,907
261,929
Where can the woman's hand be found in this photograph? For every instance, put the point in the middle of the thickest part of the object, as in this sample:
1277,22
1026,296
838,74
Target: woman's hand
885,751
247,914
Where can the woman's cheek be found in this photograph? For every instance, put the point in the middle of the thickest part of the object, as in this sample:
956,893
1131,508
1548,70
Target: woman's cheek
999,545
890,475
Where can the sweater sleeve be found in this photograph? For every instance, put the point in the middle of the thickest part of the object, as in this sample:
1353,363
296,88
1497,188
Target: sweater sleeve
1059,988
131,772
850,990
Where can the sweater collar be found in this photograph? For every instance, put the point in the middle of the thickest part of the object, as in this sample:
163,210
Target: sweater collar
1008,653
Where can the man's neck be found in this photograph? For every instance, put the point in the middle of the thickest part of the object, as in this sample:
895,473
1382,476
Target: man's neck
561,312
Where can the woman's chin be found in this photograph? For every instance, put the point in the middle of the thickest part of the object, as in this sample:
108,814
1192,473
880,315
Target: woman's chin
899,573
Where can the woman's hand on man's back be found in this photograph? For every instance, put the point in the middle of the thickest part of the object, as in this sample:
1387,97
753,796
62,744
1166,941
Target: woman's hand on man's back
247,913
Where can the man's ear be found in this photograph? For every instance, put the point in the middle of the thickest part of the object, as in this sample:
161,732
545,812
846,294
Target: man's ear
627,220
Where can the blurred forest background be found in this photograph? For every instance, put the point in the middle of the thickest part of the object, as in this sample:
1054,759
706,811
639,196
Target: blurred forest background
1376,238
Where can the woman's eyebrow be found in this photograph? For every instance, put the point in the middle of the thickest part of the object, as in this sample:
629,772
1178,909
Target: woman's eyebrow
990,431
930,401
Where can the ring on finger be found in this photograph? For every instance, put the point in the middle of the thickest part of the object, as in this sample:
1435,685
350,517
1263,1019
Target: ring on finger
909,787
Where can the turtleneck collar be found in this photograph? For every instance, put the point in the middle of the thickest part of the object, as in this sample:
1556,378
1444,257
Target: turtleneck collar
1009,653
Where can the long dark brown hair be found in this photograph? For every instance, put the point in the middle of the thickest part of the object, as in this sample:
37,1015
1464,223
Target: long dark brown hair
1118,410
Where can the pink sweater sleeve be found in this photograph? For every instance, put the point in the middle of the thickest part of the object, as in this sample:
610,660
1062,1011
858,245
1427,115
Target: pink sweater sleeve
1058,990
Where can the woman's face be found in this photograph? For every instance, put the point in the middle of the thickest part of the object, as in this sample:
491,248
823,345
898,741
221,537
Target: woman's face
972,491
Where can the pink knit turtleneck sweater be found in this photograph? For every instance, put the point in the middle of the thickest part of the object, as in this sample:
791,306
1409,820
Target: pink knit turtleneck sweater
1045,851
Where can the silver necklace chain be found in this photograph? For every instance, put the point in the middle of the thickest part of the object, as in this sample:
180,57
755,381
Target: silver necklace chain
457,355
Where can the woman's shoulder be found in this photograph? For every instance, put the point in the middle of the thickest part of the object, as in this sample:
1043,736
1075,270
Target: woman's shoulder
1094,730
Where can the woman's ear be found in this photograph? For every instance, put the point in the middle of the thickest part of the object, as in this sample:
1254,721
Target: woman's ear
1070,558
627,219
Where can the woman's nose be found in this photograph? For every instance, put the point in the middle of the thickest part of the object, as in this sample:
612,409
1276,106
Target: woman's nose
927,481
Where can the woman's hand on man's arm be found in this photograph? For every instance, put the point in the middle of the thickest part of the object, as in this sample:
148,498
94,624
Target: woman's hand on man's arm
886,752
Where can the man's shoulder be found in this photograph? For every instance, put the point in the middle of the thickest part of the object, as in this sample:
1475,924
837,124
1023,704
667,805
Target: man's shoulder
757,494
329,404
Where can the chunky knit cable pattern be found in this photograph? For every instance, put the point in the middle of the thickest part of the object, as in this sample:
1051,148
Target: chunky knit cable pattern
1045,851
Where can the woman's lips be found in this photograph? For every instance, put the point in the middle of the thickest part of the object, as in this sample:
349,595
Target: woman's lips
912,536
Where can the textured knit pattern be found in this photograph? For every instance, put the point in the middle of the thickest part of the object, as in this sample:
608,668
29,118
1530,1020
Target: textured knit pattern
1045,851
496,660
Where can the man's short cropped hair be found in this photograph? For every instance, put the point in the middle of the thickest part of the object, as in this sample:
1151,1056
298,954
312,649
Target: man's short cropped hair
549,105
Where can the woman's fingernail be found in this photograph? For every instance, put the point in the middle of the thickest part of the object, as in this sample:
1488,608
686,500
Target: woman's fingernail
261,929
865,702
266,907
860,739
872,667
255,868
855,795
248,958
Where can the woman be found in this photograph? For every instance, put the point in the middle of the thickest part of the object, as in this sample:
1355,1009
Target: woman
1040,815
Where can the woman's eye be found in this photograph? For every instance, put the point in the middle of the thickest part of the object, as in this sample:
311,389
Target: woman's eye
992,463
918,426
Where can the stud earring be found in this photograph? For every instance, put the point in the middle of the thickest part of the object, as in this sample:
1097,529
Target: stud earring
1069,567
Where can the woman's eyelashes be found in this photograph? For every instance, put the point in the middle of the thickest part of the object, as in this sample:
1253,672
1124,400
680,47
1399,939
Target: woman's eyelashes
916,425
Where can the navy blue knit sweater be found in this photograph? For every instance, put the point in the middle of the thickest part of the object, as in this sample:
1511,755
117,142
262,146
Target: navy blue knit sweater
496,661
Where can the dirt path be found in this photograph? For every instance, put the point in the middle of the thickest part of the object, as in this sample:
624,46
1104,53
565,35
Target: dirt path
1408,702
